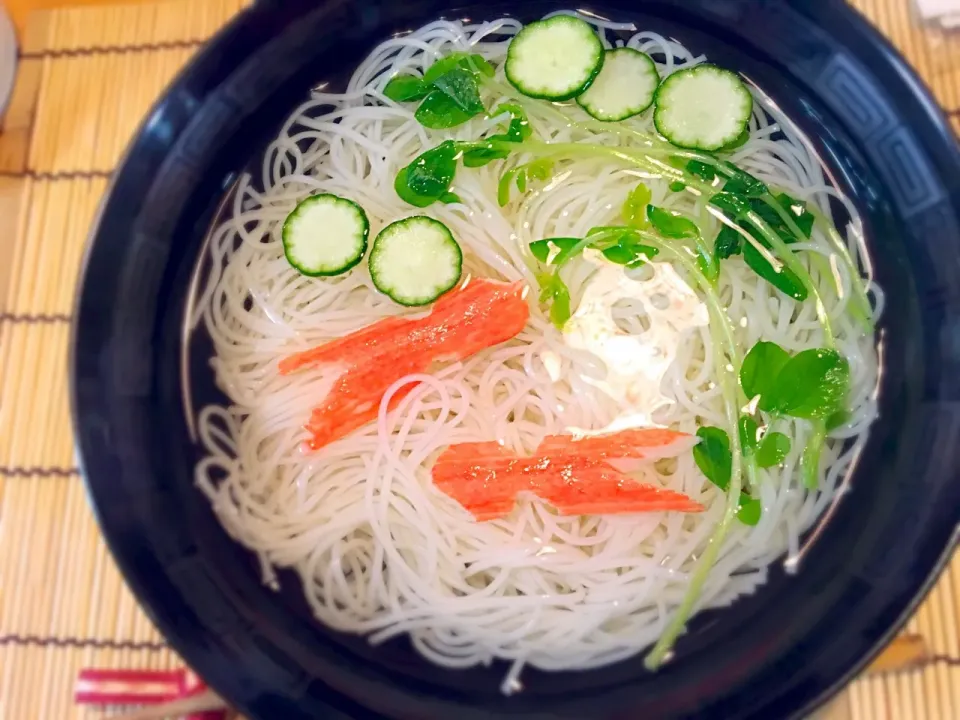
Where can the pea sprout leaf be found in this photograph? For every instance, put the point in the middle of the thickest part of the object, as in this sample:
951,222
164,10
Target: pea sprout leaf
461,87
621,245
749,434
701,170
677,186
840,417
813,384
439,111
749,510
428,177
742,183
480,156
772,449
555,292
733,205
542,249
728,243
450,91
519,128
761,368
458,60
670,224
802,217
522,180
503,187
634,210
782,278
450,197
405,88
520,176
540,169
712,455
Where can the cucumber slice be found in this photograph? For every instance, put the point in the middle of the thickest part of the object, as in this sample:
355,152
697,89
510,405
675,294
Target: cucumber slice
625,86
554,59
703,108
325,235
416,260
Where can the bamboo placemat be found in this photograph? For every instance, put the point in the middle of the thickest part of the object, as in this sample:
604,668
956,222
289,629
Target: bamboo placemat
87,76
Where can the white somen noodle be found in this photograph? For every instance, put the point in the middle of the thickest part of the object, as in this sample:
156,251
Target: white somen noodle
379,550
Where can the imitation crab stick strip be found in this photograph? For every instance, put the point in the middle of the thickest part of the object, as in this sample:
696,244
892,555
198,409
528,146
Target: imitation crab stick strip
625,450
576,476
480,314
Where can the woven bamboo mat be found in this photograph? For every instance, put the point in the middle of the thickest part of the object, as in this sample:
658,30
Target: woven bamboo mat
87,77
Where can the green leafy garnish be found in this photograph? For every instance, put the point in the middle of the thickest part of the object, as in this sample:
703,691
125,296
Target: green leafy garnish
455,99
634,210
727,243
749,434
772,449
840,417
480,156
536,170
712,455
810,462
733,205
811,384
519,128
427,179
449,197
406,88
461,60
814,384
541,249
782,278
740,182
677,186
701,170
672,225
449,90
736,202
675,226
622,245
554,291
761,368
503,187
749,510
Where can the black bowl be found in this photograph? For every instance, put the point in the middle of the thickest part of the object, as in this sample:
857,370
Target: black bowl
777,653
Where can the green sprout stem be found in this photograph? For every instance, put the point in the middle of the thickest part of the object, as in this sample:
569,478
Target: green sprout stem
726,358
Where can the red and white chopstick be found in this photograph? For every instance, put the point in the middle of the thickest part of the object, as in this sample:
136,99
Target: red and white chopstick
166,693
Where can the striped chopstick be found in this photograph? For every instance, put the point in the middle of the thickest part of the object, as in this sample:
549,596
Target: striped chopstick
165,692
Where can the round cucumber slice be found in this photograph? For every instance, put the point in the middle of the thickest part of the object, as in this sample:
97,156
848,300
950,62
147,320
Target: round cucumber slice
416,260
702,108
325,235
625,86
554,59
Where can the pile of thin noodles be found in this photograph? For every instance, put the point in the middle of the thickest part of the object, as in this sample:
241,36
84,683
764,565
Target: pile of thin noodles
379,550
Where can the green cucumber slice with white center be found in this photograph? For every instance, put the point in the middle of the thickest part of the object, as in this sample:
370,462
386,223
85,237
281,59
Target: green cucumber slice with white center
703,108
416,260
554,59
325,235
625,86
